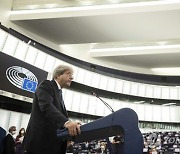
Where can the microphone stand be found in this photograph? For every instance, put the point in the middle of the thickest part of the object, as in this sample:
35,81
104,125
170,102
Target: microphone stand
111,109
107,105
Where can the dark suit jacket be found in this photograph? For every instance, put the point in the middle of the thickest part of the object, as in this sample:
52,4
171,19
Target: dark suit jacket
9,145
100,151
47,116
2,136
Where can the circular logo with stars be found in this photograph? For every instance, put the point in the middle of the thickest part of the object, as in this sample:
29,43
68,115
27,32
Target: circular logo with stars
22,78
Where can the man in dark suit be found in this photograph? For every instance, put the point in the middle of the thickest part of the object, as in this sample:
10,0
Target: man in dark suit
49,114
9,141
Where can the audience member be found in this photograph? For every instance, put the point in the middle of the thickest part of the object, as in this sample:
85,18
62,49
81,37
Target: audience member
87,146
102,148
9,141
70,146
153,150
146,148
117,140
19,140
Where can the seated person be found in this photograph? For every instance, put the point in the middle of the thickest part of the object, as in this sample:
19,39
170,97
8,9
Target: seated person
117,140
102,148
70,147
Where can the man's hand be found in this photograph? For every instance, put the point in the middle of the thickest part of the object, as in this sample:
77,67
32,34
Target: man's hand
73,128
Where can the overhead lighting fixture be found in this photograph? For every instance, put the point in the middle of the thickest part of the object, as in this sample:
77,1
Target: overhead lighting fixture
162,43
32,7
29,42
169,70
139,102
134,48
168,104
37,11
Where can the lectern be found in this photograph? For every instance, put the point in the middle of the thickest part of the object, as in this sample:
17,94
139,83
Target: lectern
123,122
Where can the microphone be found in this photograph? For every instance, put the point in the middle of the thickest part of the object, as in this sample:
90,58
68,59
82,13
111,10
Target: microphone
93,93
107,105
111,109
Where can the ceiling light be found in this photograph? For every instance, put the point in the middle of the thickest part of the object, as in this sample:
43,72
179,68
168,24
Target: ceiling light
139,102
162,43
32,7
164,70
168,104
137,48
29,42
134,48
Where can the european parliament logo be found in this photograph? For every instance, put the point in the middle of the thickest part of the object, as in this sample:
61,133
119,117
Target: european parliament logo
29,85
22,78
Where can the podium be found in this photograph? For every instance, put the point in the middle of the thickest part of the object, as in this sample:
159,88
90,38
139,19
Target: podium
123,122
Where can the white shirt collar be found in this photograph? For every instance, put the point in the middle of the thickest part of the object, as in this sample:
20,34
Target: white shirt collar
59,87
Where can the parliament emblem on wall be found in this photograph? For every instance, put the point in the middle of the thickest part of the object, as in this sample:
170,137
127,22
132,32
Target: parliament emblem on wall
22,78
